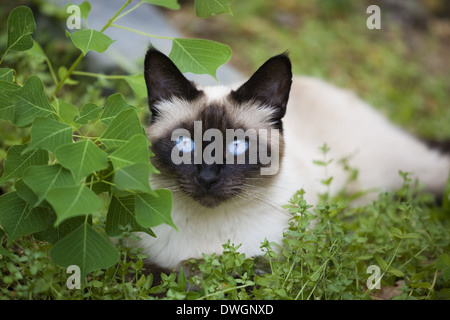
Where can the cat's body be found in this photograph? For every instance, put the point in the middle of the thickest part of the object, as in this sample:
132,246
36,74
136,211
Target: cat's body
317,113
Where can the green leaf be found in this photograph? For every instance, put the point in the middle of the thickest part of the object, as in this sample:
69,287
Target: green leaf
66,110
207,8
30,102
170,4
20,26
16,161
42,179
133,178
37,52
82,158
136,150
115,104
73,201
423,285
411,235
53,234
85,248
137,84
446,274
121,129
380,261
396,272
396,232
89,112
6,74
26,193
90,39
199,56
62,72
443,261
153,210
6,99
6,253
49,134
121,214
17,218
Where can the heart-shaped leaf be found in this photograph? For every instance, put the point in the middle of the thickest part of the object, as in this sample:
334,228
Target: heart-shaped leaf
49,134
115,104
82,158
124,126
17,218
136,150
73,201
89,112
134,178
42,179
85,248
154,209
20,26
90,39
121,213
16,161
30,102
199,56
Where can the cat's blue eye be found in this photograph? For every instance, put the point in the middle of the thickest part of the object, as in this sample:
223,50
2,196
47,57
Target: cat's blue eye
237,147
184,144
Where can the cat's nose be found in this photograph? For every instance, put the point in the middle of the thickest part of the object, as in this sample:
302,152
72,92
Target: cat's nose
208,175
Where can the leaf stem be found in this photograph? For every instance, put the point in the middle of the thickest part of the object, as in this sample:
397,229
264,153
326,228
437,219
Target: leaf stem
225,290
3,56
98,75
109,23
130,10
52,71
140,32
66,76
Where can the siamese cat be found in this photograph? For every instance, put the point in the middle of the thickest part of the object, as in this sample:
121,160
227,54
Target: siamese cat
289,118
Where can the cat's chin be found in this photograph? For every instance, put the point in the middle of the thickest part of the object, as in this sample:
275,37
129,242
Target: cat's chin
209,201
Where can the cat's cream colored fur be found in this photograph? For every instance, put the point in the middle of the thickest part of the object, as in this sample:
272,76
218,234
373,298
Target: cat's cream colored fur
317,113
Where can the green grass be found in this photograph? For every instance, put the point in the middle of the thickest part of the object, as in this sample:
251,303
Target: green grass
404,233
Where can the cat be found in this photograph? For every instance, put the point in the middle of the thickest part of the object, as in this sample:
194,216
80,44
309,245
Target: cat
217,202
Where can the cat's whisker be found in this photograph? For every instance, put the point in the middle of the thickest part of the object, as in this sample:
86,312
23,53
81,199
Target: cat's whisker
264,186
259,188
253,197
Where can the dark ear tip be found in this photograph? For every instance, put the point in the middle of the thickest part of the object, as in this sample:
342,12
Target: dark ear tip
284,59
151,54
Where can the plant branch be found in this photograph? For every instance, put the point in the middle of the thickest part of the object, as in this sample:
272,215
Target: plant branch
130,10
98,75
81,56
141,33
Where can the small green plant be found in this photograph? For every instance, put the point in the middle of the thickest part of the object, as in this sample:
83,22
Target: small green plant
81,173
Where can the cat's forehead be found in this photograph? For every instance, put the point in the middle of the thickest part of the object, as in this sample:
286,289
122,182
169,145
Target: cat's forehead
215,107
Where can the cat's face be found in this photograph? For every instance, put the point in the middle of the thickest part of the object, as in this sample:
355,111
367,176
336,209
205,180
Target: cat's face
214,144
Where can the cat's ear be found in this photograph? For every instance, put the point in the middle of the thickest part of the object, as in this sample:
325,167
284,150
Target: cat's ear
164,81
270,84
